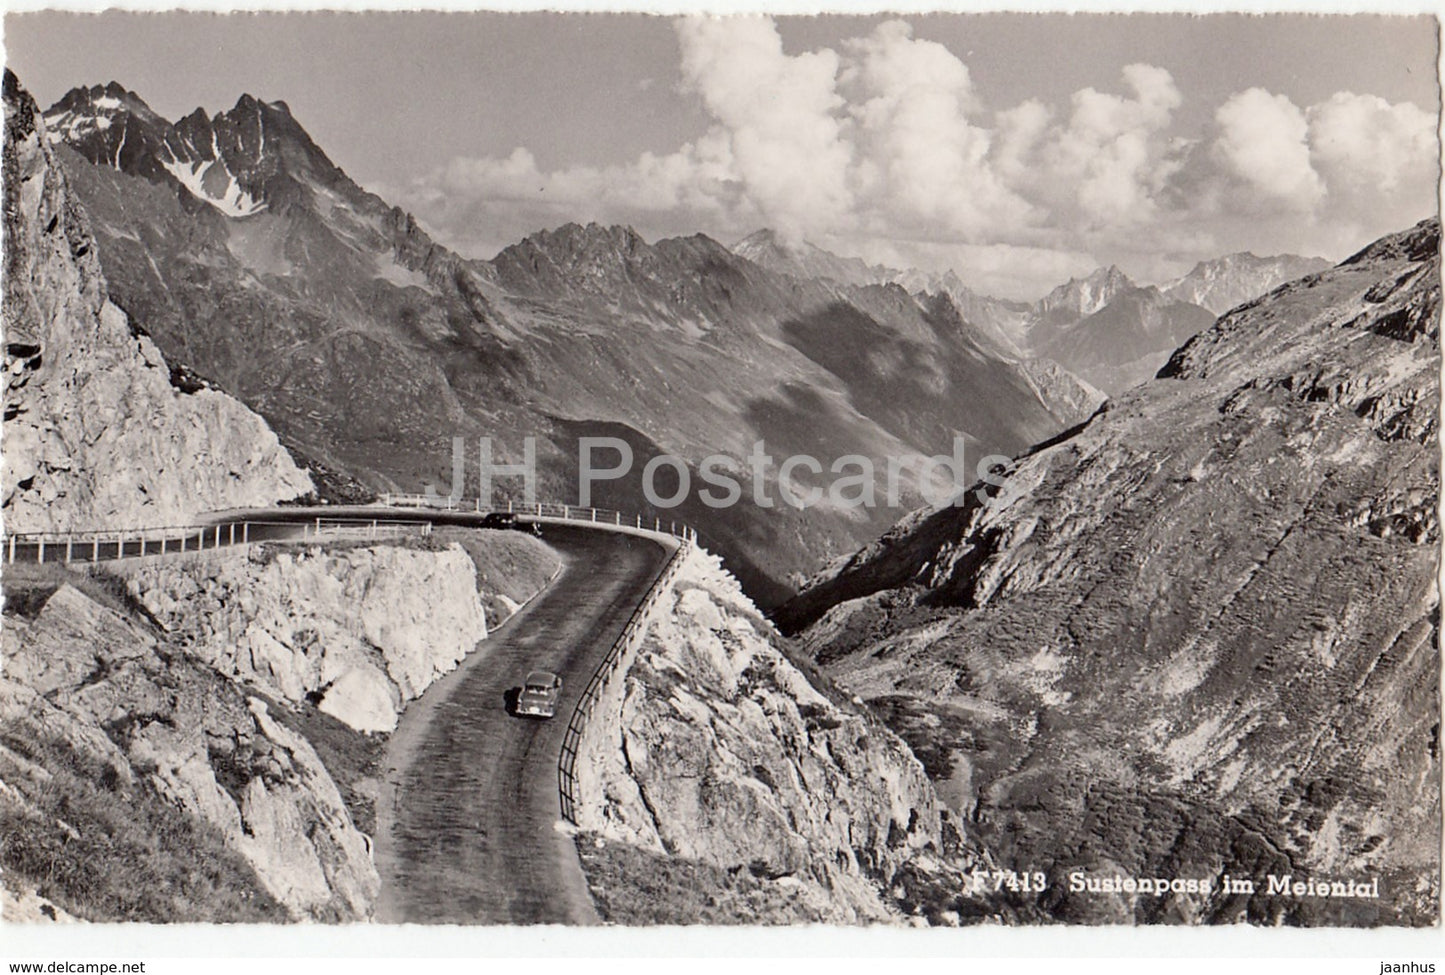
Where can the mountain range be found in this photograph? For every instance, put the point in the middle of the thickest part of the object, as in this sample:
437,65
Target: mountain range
252,259
1104,328
255,262
100,429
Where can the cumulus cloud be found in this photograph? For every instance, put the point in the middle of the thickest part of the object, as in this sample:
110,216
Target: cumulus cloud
1367,148
884,146
1111,157
777,116
921,157
1263,142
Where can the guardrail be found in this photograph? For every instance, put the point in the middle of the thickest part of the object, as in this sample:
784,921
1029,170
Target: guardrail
100,546
627,642
109,546
540,509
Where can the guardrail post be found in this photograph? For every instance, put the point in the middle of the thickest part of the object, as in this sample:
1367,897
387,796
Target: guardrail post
40,550
245,533
163,544
95,548
233,533
509,506
12,548
67,548
183,541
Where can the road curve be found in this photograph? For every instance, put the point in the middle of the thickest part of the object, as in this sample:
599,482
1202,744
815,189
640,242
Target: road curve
467,820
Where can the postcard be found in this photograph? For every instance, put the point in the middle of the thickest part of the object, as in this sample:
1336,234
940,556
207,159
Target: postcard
960,470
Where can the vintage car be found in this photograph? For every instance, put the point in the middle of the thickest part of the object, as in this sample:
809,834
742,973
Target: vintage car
540,693
506,520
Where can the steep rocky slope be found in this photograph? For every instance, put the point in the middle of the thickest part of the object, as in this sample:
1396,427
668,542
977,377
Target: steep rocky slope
97,432
88,683
718,753
1198,635
254,260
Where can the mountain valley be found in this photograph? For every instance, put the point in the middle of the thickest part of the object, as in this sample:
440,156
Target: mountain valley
1197,635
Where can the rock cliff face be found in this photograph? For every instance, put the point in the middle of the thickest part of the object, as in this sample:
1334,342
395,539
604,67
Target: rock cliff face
361,630
1200,634
97,436
119,697
718,750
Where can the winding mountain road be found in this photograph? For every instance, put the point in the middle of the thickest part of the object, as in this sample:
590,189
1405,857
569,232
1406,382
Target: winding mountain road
467,821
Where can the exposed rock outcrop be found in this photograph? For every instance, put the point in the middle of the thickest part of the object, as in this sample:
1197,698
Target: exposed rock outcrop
96,435
83,674
717,749
360,630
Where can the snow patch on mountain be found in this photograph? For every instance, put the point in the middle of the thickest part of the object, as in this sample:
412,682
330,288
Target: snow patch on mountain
233,201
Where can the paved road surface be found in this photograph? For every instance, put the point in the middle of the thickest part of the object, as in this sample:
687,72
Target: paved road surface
466,824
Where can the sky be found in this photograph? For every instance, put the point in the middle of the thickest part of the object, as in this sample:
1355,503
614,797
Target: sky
1015,149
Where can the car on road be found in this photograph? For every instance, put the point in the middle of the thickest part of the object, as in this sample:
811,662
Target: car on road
507,520
539,695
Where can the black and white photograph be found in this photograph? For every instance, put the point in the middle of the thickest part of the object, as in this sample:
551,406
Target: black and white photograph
914,471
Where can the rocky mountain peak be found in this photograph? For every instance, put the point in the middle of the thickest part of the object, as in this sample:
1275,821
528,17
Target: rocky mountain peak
240,162
109,125
1224,282
98,433
1084,296
1420,243
758,239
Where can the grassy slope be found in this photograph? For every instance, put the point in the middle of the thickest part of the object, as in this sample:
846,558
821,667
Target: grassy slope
107,855
634,886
